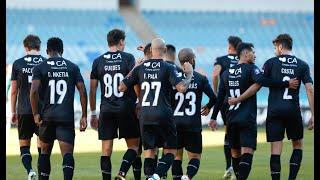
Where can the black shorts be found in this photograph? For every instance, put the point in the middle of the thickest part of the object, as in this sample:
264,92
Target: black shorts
110,123
277,126
242,135
154,136
223,112
191,141
52,130
26,126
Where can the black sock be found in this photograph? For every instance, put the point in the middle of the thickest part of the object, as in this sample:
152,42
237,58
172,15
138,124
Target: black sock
227,152
39,153
193,167
176,169
44,167
106,167
295,162
68,166
26,157
164,164
245,166
136,167
165,174
275,166
127,160
235,165
149,166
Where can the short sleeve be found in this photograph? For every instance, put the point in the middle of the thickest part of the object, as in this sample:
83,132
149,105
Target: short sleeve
15,72
78,76
266,68
175,77
94,71
36,73
131,62
217,62
306,77
256,74
132,78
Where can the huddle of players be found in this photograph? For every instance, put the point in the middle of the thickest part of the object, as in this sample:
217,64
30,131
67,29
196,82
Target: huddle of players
168,113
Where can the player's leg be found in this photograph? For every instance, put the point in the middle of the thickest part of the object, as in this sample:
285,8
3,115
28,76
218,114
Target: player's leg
234,142
176,168
47,136
128,129
226,146
168,134
149,145
107,131
137,164
65,134
129,157
193,144
294,129
248,140
275,130
25,131
68,160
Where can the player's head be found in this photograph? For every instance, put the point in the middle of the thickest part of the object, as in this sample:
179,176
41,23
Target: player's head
233,42
171,53
282,44
116,37
246,53
187,55
31,42
158,48
147,51
54,47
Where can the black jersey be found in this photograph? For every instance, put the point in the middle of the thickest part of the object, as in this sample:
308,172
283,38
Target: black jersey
283,68
110,69
187,106
58,78
235,82
22,73
226,62
156,78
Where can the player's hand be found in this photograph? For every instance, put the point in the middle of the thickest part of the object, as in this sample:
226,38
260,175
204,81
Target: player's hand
293,83
187,68
37,119
141,47
213,124
83,124
14,118
232,101
94,122
205,110
311,123
139,61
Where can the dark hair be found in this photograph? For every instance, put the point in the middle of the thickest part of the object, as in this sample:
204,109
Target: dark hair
170,49
244,46
32,42
147,49
55,44
114,36
285,40
234,41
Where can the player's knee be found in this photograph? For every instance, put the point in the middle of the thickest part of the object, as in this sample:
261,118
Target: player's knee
297,144
247,150
107,151
236,153
68,161
194,155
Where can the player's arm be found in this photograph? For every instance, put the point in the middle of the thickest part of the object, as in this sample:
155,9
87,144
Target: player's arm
34,100
14,94
220,99
137,90
183,85
310,95
215,77
92,102
83,98
212,98
252,90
